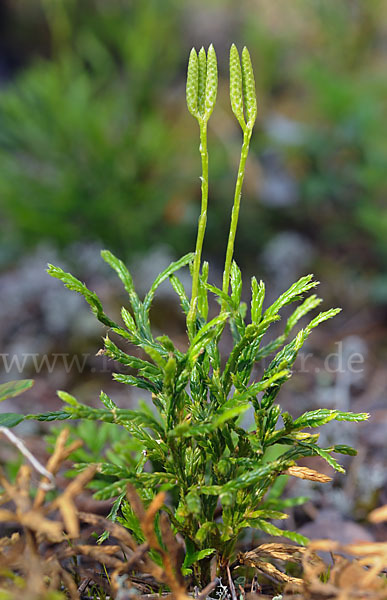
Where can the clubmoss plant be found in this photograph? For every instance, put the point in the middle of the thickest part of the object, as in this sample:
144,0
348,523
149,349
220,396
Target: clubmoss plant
219,474
202,85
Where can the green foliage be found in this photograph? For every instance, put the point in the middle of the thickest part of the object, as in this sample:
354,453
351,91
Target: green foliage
84,131
14,388
193,442
333,88
95,127
10,390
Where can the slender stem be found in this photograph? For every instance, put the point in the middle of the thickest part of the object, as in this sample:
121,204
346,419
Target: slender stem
201,229
235,212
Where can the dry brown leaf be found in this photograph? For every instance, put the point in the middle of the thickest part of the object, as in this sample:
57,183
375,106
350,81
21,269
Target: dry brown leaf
147,524
60,454
23,481
66,504
345,579
174,549
272,571
277,551
306,473
352,573
367,548
36,522
69,515
9,489
135,502
378,515
252,559
323,545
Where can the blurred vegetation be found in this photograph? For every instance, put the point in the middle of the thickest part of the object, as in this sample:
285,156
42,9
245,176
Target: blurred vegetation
86,137
93,137
323,70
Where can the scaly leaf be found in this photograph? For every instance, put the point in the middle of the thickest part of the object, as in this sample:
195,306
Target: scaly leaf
72,283
257,297
14,388
303,285
276,531
175,266
10,419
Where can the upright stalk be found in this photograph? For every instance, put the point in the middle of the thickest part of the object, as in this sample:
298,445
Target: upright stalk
235,212
244,107
201,229
202,85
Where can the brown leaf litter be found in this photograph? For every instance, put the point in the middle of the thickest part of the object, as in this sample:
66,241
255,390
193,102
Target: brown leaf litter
306,473
346,578
40,559
51,553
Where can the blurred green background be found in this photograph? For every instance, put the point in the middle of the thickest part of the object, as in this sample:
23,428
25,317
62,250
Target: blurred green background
96,143
97,149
